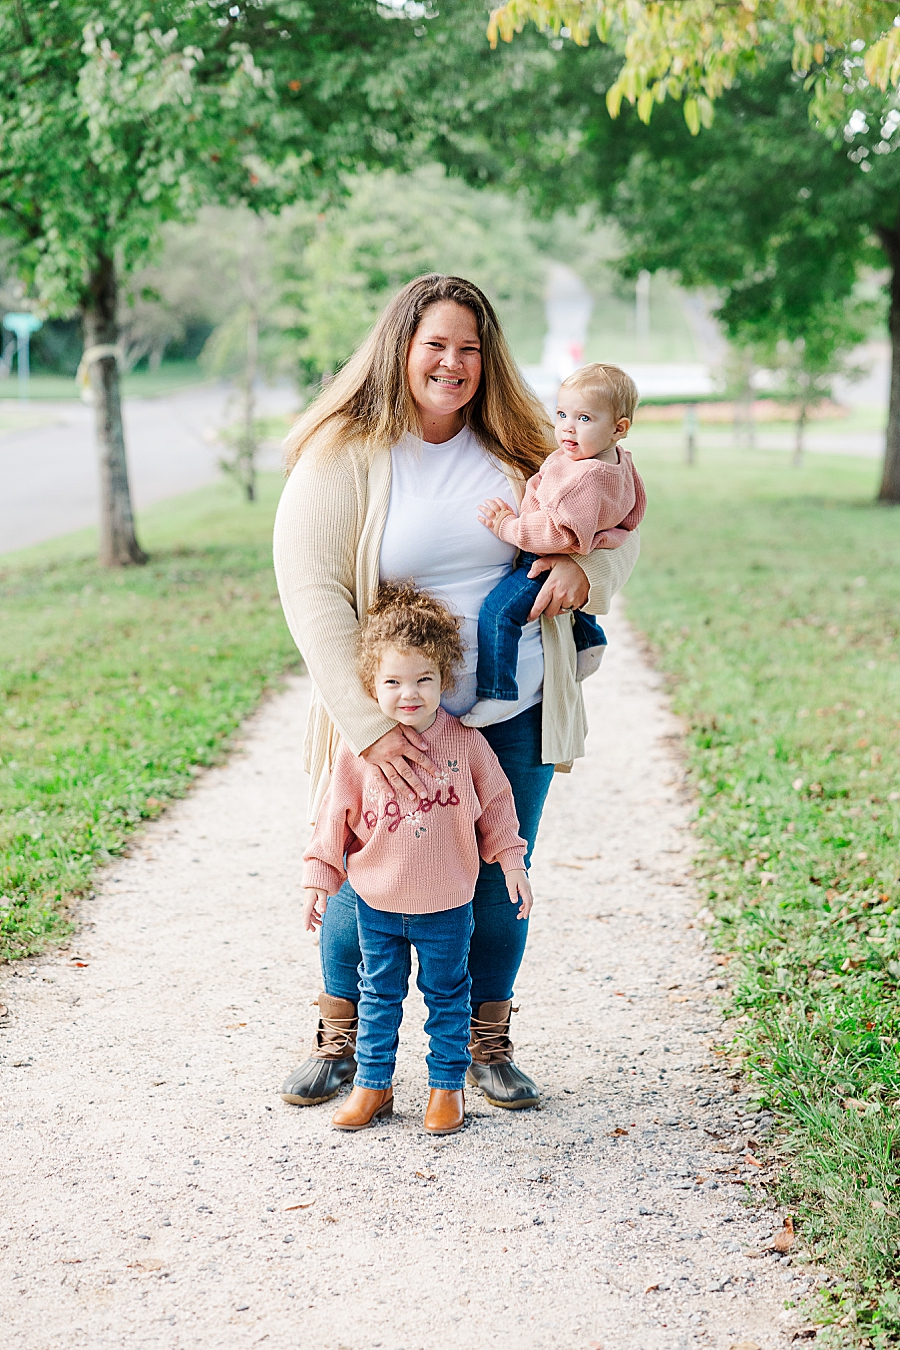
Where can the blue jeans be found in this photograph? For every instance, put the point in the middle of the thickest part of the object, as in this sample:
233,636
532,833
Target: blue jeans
498,939
442,945
500,622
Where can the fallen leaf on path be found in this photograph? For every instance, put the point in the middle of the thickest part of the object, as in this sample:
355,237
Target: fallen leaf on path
70,1260
427,1176
806,1333
754,1162
77,961
650,1288
157,1082
233,1026
304,1204
611,1134
4,1011
329,1218
784,1241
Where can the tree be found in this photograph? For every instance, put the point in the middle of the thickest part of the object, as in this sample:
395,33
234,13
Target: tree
119,116
338,271
248,339
804,370
779,217
694,50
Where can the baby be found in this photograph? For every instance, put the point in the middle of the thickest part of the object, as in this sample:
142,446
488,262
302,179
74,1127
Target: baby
587,495
414,868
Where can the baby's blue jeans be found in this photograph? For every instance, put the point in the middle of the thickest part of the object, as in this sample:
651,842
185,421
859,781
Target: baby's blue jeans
503,616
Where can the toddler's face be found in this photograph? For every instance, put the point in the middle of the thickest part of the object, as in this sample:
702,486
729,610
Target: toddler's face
585,428
408,688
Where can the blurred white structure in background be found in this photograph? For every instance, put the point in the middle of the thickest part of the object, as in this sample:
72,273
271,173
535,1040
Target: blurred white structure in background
568,309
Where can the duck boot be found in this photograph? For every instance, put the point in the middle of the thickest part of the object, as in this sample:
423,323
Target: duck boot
332,1059
492,1068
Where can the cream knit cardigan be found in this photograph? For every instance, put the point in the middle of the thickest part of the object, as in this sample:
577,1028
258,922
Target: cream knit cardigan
327,547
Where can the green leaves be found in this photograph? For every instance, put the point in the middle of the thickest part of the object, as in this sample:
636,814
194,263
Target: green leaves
695,49
113,125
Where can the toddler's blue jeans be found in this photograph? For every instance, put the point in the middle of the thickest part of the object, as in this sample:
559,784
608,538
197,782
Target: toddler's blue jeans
503,616
442,945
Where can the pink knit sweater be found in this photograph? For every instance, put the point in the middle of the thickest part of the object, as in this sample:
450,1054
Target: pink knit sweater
577,505
424,858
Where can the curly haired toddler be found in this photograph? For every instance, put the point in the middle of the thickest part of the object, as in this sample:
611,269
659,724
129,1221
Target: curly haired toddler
413,867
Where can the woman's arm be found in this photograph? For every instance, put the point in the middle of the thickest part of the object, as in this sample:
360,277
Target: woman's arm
584,581
316,532
607,570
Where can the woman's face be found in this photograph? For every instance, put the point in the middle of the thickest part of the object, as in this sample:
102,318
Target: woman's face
444,366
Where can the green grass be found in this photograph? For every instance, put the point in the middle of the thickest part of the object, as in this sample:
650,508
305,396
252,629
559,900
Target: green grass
116,686
772,599
171,377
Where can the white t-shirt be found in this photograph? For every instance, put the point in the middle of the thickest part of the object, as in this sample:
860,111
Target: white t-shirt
433,537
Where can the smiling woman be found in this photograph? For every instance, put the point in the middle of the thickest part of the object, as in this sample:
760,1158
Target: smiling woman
428,419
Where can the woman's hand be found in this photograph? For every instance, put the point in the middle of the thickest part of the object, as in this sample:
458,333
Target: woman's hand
315,903
493,512
393,756
567,587
519,888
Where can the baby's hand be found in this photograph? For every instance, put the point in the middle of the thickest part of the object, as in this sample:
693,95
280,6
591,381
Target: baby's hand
315,903
518,885
493,512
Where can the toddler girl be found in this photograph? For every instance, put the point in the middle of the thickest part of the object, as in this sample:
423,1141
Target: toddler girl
587,495
414,868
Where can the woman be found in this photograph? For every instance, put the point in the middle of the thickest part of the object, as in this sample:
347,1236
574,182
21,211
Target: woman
388,466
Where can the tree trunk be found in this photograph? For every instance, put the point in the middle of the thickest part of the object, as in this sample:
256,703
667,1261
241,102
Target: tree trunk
250,404
690,433
797,458
118,543
890,480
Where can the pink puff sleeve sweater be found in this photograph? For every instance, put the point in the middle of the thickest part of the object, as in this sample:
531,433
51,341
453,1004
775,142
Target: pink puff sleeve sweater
422,858
577,505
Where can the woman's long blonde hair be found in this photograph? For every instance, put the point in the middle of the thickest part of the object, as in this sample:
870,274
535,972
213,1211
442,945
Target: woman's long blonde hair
370,397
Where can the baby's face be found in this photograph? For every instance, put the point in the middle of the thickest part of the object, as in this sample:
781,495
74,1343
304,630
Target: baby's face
585,427
408,688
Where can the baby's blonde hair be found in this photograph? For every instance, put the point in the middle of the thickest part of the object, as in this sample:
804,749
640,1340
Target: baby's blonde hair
611,384
407,619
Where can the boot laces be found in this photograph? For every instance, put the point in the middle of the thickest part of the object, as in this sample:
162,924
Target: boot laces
491,1041
335,1037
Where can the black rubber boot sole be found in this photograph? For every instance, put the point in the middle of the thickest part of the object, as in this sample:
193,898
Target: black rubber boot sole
317,1081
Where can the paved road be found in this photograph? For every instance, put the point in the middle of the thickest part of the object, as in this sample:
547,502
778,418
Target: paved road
49,475
155,1191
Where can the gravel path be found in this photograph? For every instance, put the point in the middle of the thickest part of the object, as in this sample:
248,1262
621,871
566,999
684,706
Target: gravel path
156,1192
